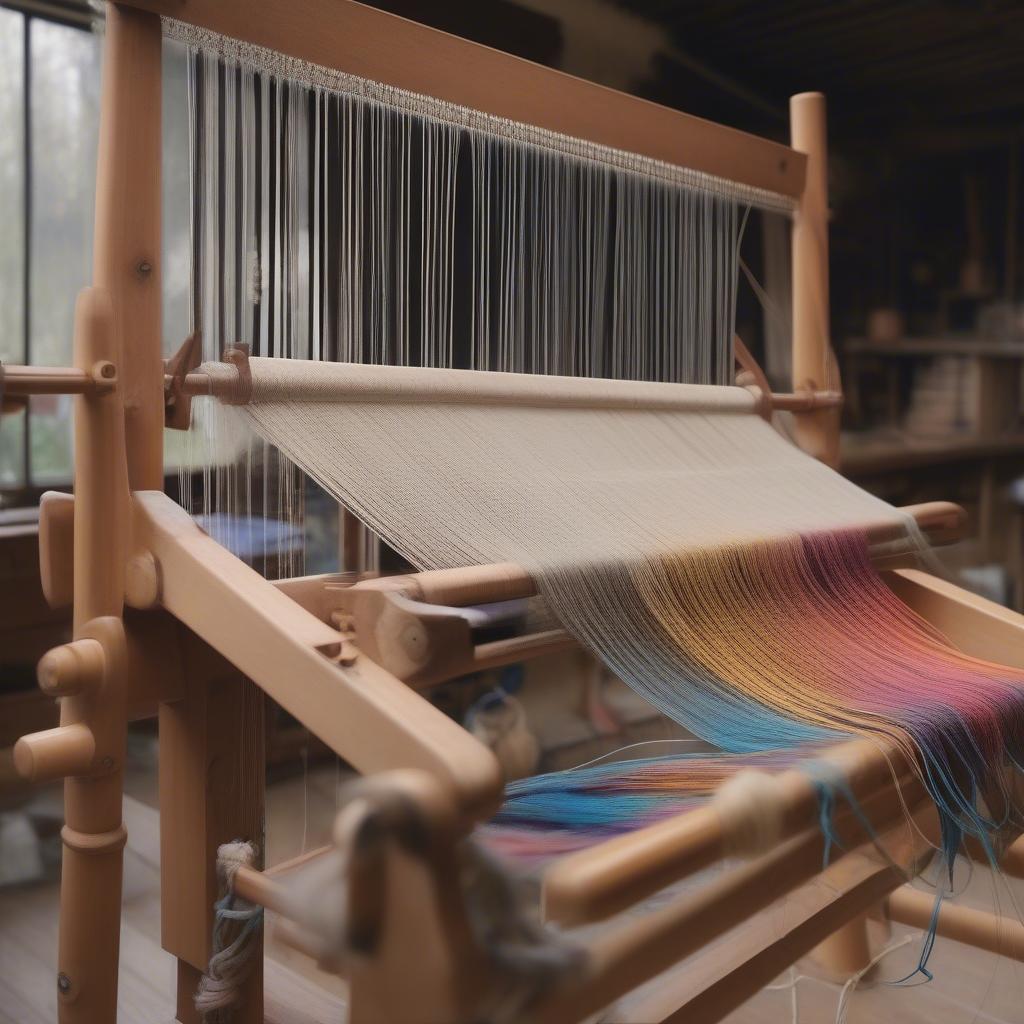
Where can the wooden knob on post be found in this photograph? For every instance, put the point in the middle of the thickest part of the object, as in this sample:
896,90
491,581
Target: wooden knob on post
71,668
55,753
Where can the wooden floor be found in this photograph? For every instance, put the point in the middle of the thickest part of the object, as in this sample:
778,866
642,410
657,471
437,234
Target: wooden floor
968,986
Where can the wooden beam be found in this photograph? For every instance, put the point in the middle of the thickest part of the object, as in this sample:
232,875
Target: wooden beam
211,792
126,246
349,37
360,711
971,623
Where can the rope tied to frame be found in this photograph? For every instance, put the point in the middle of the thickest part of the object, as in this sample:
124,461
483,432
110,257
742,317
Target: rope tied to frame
236,928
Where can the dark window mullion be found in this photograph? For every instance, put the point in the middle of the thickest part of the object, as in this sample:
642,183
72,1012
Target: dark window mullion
26,273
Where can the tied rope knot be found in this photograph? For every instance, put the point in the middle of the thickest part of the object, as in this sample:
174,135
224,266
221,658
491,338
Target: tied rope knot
236,927
749,808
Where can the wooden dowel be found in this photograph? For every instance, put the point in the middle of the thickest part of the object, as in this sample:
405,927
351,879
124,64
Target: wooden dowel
263,888
1002,935
518,648
71,668
607,878
506,581
59,380
55,753
805,401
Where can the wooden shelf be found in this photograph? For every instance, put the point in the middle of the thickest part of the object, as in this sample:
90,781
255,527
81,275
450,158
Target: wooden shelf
946,345
877,452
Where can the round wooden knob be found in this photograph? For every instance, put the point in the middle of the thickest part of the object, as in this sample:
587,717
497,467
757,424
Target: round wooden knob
71,668
55,753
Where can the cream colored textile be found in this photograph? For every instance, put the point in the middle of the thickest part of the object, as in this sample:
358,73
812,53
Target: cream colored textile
464,467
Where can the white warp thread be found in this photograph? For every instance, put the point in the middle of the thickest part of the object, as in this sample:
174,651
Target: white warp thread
317,76
587,484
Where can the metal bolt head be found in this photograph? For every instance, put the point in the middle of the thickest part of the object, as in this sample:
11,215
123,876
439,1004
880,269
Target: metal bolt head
144,267
107,763
63,983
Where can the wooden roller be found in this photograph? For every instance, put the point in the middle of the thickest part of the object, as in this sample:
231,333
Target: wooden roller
943,522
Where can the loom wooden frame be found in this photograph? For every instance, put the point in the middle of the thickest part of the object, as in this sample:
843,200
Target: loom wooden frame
166,622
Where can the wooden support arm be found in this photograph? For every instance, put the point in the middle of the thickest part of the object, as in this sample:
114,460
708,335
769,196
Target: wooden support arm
359,710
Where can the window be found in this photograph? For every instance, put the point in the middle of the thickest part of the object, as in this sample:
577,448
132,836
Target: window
49,106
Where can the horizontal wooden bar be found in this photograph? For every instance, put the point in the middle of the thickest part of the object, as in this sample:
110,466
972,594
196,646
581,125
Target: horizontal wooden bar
805,401
518,648
623,957
230,386
605,879
349,37
1002,935
971,623
19,381
708,988
942,521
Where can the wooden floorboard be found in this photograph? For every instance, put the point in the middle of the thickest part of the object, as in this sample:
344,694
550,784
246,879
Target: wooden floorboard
969,986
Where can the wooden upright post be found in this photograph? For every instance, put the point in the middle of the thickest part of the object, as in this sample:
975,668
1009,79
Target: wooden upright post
117,335
817,431
126,252
211,792
211,739
93,705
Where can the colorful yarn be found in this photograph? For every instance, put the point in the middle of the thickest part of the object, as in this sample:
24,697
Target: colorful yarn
768,642
546,816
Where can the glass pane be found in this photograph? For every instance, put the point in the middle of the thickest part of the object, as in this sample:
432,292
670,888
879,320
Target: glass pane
177,236
177,204
12,450
12,234
65,83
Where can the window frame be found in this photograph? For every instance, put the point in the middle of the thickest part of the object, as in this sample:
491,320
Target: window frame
74,14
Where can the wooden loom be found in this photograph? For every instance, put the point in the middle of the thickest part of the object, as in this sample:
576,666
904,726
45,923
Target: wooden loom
168,623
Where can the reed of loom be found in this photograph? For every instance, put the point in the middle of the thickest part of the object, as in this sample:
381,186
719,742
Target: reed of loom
203,636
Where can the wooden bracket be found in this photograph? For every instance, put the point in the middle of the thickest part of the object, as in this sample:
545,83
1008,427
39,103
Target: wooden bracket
750,376
238,357
178,404
424,644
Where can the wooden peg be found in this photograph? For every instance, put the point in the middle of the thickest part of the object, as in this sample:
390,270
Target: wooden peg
57,548
72,668
55,753
142,582
241,392
177,402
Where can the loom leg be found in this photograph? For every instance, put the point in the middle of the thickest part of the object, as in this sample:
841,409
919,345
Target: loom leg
847,950
211,792
90,901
